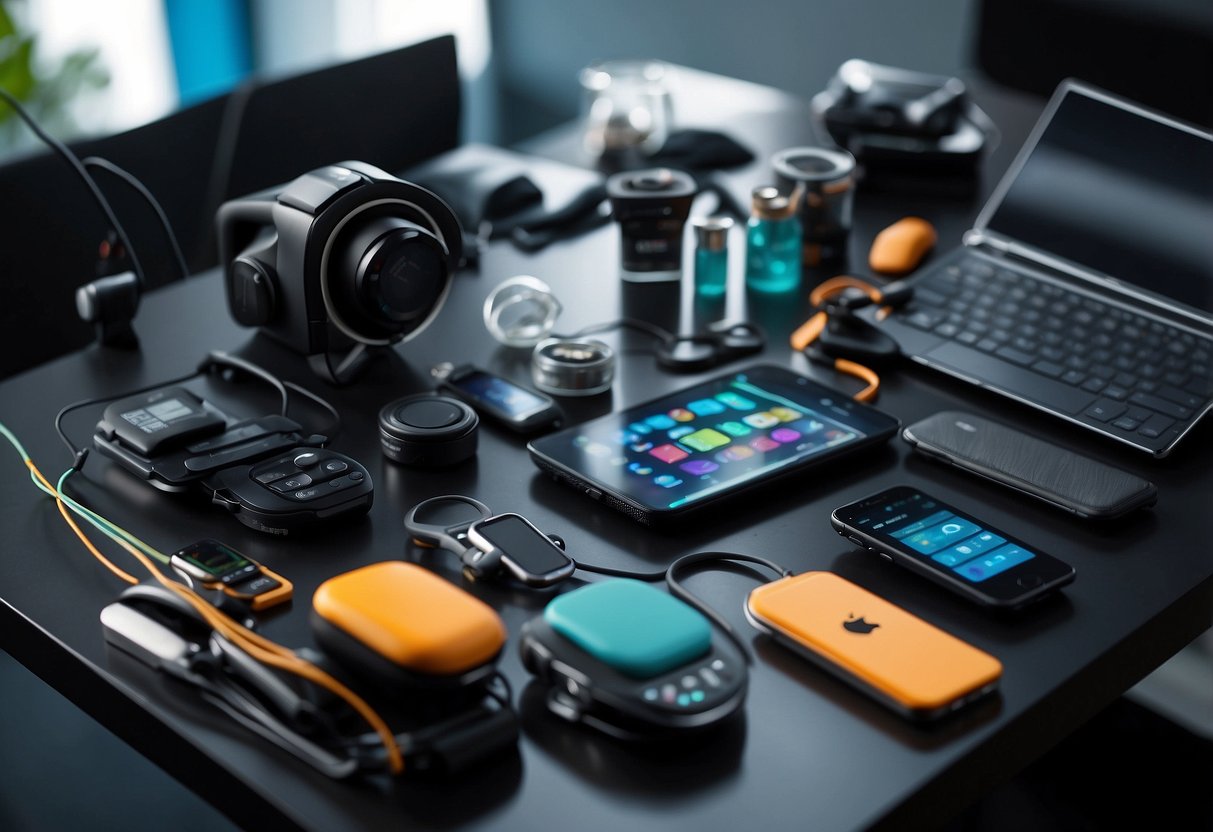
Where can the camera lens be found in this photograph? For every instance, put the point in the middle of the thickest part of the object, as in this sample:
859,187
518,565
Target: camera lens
392,274
396,276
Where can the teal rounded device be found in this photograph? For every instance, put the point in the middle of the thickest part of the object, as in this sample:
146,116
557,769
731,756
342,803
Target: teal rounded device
628,659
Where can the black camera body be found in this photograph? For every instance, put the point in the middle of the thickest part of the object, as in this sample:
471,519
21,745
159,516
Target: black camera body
345,257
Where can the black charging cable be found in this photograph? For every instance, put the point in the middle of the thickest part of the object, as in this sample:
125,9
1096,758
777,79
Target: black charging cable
673,580
699,558
130,179
719,343
74,162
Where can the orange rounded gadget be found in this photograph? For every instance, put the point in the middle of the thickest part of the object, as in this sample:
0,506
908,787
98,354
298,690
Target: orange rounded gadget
406,626
899,248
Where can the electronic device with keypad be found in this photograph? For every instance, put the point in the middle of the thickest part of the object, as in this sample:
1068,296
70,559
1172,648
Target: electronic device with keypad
1085,288
265,470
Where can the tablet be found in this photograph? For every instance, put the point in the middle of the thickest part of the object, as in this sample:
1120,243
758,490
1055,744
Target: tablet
693,448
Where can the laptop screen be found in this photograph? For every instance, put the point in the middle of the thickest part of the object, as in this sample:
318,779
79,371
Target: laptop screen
1117,191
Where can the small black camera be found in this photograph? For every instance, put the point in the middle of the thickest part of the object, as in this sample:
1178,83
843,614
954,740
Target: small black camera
345,257
651,207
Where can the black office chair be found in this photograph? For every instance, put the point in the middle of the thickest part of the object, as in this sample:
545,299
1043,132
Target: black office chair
52,227
394,110
1156,52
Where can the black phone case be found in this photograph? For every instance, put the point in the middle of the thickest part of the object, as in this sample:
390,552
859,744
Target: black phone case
1079,484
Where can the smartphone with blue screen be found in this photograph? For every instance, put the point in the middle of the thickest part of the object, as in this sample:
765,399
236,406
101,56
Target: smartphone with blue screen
951,547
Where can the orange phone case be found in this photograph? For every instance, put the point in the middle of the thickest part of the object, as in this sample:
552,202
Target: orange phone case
903,661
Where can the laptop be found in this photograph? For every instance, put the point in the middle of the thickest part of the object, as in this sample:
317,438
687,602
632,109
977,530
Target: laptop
1085,287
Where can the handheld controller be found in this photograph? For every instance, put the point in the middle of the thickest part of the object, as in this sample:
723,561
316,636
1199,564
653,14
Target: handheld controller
265,470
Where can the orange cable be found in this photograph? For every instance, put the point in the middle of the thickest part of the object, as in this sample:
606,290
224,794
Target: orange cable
88,544
255,644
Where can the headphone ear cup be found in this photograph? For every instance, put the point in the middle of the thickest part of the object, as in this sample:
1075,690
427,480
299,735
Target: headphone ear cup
252,294
110,303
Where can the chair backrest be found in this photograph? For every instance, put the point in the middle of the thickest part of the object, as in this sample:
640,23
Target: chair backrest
393,110
51,227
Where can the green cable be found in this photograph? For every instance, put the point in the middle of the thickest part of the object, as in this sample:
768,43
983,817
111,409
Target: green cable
107,527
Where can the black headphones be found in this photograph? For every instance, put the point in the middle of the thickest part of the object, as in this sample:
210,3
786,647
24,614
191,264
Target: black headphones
344,257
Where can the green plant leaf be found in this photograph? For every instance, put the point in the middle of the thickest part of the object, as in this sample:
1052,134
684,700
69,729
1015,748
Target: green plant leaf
7,27
16,66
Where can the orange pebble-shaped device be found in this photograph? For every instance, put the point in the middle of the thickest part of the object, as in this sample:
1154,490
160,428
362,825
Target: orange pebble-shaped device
407,626
900,248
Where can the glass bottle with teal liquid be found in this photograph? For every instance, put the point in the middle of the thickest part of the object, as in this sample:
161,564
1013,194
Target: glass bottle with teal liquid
773,242
711,255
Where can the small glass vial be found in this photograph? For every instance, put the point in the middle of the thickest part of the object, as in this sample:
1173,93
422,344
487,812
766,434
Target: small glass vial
711,255
773,239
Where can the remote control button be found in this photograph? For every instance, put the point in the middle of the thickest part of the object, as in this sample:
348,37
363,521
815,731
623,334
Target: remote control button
708,675
690,682
297,481
335,466
357,476
650,694
668,694
273,475
257,586
239,575
684,699
307,459
306,494
698,696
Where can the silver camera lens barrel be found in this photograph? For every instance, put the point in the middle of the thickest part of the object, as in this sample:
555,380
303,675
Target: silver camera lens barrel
572,366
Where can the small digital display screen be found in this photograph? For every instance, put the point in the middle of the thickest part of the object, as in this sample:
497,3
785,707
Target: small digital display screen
935,532
1120,194
216,558
714,437
497,393
519,542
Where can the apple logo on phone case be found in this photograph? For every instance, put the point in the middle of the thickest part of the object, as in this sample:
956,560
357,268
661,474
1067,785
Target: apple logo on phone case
858,625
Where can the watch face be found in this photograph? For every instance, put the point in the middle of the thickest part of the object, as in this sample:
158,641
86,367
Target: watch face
521,543
212,558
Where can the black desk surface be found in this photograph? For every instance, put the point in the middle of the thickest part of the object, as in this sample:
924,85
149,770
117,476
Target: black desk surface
809,752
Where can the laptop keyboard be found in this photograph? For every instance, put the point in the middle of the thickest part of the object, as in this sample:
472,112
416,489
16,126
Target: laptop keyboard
1148,377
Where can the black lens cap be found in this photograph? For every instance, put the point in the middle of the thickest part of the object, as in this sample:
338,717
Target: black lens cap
428,430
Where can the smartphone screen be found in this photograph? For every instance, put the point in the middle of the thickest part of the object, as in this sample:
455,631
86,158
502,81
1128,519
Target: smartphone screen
712,439
952,547
505,400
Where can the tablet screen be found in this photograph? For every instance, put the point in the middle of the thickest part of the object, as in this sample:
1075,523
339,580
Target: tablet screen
714,437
